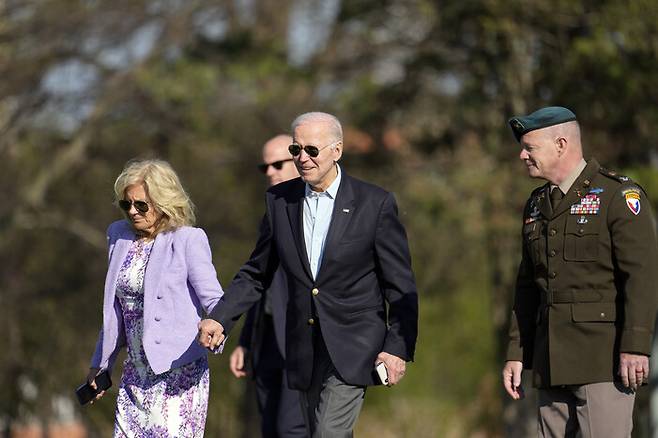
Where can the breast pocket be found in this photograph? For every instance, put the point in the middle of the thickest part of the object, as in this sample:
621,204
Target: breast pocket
581,238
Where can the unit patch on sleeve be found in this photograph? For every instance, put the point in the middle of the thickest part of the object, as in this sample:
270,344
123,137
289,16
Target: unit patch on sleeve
632,197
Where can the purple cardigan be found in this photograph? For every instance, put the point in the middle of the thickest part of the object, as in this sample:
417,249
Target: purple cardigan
180,286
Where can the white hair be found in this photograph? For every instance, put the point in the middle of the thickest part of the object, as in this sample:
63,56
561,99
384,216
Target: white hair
335,128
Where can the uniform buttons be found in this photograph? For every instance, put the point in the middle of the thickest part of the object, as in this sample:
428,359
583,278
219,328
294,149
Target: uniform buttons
581,231
157,318
311,321
159,297
586,182
157,341
553,232
553,274
602,315
315,291
552,253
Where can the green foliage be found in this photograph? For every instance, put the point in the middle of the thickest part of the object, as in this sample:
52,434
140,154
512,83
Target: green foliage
424,90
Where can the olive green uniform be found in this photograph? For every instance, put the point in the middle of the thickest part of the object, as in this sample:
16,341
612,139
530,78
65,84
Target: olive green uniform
586,287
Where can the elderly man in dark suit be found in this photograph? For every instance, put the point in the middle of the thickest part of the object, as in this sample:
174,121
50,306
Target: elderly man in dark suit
345,255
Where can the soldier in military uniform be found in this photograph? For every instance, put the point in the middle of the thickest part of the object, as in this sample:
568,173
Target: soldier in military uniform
585,299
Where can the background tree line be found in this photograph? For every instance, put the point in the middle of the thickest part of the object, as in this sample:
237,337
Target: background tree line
424,89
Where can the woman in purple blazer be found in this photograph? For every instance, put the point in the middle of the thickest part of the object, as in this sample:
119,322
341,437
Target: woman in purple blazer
160,282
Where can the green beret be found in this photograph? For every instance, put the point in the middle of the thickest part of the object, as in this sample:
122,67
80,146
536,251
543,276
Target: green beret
542,118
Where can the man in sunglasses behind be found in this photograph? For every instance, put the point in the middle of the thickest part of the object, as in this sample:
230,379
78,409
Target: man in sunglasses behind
262,340
277,163
345,255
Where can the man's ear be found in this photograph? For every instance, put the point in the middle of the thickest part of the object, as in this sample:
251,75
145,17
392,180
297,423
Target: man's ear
561,144
338,150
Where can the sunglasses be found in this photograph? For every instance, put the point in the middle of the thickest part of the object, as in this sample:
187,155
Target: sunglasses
140,206
278,165
312,151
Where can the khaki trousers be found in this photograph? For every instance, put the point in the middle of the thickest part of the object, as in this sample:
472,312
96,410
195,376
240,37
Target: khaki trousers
596,410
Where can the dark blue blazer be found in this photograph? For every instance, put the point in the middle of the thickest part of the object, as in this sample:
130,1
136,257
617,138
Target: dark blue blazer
251,336
366,264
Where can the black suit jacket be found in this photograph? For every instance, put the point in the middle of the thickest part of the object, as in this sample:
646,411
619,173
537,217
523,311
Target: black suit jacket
366,263
255,324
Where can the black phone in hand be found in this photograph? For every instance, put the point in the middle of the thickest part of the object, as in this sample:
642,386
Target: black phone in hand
86,393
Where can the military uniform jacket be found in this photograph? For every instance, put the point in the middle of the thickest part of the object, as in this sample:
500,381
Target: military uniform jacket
586,287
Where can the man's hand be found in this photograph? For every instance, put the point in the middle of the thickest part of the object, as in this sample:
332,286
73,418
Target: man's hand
633,369
512,378
236,363
211,334
395,367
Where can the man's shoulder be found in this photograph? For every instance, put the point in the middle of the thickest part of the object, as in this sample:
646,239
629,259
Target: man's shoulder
612,176
616,182
367,188
286,187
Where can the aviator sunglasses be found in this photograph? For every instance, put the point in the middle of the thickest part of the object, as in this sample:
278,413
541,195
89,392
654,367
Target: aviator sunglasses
312,151
278,165
140,206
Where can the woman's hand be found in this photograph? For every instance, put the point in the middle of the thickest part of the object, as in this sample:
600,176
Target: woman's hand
91,378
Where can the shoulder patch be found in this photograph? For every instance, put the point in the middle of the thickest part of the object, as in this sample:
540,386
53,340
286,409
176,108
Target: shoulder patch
632,197
614,175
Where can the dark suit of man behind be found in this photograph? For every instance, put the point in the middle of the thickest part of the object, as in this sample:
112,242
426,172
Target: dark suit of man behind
262,339
336,319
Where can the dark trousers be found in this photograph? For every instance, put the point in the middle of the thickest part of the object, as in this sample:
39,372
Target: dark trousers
279,406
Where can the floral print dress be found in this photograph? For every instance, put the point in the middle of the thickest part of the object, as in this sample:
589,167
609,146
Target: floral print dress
172,404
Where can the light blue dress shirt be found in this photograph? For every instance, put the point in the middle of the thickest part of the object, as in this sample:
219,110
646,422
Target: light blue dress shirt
318,207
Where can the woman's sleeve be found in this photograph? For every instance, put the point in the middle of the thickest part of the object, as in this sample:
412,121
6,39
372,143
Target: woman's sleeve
201,272
97,358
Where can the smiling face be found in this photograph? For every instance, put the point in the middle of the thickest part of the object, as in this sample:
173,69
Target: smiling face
143,223
540,153
319,172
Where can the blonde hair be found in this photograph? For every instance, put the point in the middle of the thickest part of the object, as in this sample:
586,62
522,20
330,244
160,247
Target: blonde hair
163,187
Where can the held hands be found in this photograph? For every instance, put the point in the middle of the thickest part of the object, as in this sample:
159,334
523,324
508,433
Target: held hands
395,367
211,334
91,378
512,379
633,369
236,363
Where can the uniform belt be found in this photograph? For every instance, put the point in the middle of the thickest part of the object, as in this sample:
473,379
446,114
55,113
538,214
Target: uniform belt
579,296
